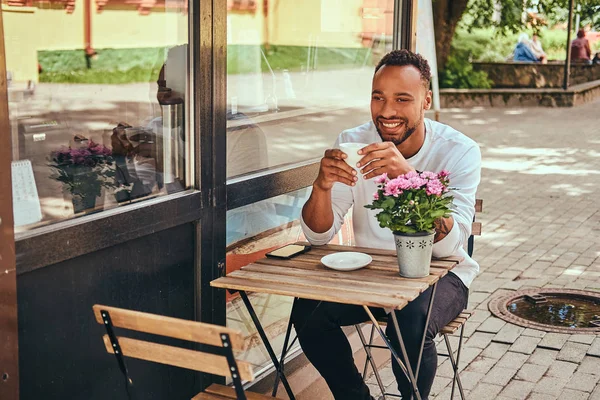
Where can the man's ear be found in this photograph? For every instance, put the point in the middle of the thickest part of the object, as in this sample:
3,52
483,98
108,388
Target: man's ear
428,100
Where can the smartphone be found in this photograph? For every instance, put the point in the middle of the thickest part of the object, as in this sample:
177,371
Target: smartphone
289,251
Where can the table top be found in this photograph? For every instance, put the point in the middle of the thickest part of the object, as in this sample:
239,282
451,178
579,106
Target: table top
304,276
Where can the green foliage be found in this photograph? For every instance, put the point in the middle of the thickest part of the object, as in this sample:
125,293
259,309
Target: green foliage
143,65
245,58
458,73
413,209
507,15
108,66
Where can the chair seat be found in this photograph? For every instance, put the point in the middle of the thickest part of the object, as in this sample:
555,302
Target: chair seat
448,329
457,322
220,392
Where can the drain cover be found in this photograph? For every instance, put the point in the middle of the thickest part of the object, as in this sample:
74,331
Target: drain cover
550,310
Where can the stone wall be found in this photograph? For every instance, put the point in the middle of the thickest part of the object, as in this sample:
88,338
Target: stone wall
534,75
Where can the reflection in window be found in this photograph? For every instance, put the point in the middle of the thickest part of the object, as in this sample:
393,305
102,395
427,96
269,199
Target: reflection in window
299,73
97,103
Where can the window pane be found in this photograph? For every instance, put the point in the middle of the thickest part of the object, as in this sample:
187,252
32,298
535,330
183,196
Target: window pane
252,231
97,103
299,73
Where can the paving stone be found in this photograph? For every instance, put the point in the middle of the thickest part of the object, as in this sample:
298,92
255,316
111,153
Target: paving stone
561,369
517,389
541,396
499,375
525,344
491,325
596,393
481,365
531,372
480,316
550,385
480,340
508,334
582,381
485,391
590,365
553,341
470,379
573,352
543,356
467,355
513,360
594,349
585,339
439,384
572,394
533,333
495,350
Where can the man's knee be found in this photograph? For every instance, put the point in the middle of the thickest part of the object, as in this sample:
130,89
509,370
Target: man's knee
304,312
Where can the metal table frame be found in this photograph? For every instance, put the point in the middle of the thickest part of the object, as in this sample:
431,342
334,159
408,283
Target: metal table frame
279,364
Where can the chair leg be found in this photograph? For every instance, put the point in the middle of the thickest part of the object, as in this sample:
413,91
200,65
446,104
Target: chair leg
455,364
369,357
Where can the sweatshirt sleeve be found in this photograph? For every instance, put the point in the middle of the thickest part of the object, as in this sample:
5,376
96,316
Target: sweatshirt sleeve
341,201
464,179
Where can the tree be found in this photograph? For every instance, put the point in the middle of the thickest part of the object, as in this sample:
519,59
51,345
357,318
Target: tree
505,15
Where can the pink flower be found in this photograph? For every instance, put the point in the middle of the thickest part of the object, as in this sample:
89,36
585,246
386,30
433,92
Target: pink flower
376,196
381,178
434,187
443,174
428,175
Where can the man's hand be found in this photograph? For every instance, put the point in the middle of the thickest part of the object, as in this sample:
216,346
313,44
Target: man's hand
334,169
379,158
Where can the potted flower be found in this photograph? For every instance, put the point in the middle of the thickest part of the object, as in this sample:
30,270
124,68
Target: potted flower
410,204
84,172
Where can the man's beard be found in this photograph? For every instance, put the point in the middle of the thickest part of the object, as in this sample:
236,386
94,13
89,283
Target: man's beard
409,131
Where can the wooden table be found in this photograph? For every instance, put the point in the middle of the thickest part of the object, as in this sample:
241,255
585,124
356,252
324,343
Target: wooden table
377,285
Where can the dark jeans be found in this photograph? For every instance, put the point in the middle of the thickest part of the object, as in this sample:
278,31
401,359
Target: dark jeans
325,345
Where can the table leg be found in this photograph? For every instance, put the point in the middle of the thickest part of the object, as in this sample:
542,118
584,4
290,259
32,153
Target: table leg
284,350
392,350
267,344
411,377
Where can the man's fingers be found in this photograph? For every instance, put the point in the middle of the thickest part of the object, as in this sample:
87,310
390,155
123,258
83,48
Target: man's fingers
349,180
374,155
373,147
374,172
335,153
339,164
373,166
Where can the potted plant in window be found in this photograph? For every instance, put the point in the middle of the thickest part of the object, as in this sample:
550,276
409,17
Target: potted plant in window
84,172
410,204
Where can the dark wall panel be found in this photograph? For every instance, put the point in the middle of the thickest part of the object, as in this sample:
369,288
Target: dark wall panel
62,355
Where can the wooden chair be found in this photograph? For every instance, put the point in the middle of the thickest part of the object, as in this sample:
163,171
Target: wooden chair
216,358
451,328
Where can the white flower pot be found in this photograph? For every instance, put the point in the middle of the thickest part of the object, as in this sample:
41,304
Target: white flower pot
414,253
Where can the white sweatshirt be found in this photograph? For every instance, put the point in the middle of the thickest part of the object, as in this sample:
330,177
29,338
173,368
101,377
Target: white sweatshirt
444,148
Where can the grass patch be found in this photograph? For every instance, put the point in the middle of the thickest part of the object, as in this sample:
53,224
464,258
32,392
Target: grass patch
120,66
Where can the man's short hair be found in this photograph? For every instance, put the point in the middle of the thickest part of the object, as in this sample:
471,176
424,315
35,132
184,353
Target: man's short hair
405,57
581,33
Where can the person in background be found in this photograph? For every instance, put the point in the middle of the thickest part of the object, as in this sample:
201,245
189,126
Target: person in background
580,49
537,50
523,50
596,59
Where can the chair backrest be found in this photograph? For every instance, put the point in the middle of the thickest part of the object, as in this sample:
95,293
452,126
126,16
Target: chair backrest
220,341
475,227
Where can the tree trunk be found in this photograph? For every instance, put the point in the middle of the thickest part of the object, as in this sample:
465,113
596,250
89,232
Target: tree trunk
446,15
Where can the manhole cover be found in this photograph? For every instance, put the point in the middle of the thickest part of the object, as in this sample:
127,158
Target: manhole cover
550,310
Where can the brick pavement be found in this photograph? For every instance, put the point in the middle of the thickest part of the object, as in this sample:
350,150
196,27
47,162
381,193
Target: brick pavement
541,228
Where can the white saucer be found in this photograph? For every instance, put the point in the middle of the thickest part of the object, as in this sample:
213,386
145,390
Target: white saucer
346,260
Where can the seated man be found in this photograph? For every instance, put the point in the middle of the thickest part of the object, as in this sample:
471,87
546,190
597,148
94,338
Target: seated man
580,48
523,50
401,140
